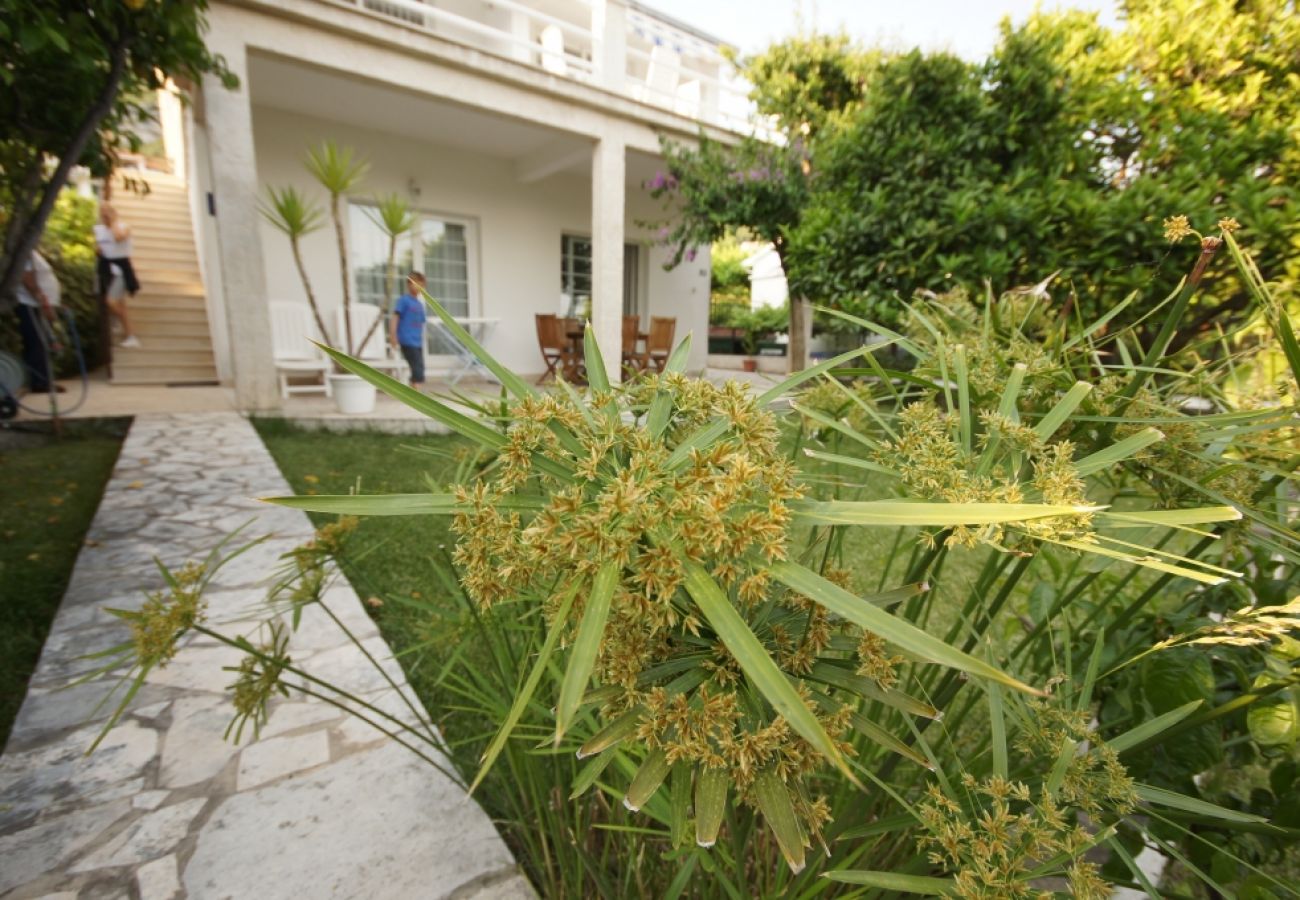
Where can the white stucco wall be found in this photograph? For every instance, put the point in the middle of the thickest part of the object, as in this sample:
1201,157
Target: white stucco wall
517,229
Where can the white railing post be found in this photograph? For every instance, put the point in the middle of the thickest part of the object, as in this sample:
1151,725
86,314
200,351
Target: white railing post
609,43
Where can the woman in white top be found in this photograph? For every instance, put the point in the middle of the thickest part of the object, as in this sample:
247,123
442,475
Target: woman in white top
116,274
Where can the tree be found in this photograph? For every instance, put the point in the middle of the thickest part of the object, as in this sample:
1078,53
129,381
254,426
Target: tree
1064,151
714,188
803,84
71,68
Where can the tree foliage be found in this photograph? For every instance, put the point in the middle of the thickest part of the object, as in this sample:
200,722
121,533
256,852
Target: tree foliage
72,72
1062,152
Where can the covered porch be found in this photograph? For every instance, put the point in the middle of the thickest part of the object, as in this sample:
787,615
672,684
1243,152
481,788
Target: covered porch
523,208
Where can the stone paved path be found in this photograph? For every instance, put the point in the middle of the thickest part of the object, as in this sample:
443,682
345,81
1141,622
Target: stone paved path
319,806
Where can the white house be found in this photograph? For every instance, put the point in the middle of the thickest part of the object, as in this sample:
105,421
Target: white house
521,130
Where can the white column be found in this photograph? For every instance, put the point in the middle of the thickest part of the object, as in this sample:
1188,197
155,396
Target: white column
609,43
235,192
607,188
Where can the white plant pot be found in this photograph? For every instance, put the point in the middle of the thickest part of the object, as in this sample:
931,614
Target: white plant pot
353,395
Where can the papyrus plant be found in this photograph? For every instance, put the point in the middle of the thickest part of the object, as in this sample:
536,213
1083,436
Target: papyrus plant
651,523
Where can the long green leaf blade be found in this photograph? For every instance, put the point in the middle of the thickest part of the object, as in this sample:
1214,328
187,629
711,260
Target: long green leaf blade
758,664
799,378
902,513
525,693
893,629
512,382
895,881
421,403
586,646
1056,417
647,780
1150,729
392,504
778,809
1161,797
711,787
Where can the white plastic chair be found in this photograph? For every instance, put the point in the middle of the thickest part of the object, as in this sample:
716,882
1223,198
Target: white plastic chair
292,330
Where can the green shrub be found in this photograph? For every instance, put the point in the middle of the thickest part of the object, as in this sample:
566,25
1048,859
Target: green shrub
69,246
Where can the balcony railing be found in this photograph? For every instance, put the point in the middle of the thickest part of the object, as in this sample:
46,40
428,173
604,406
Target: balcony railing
610,45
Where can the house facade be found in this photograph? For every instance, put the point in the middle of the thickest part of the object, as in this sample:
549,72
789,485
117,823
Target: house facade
520,132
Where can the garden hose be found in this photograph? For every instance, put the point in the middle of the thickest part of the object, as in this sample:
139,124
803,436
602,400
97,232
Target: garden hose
12,375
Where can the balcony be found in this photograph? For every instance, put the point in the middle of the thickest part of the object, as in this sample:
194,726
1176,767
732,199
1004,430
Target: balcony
622,47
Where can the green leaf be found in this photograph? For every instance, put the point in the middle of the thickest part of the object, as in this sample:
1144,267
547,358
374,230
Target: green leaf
845,679
800,377
778,809
392,504
893,629
648,779
758,665
998,730
586,646
895,881
680,800
591,771
512,382
597,377
1197,807
611,734
525,693
421,403
1202,515
678,358
711,787
1056,417
1118,452
874,732
902,513
1152,727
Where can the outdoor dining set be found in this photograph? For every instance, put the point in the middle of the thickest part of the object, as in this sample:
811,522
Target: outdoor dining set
560,340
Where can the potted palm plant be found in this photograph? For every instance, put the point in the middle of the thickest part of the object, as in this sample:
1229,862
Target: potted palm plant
338,171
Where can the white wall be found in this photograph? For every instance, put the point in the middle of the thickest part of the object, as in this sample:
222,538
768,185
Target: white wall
518,229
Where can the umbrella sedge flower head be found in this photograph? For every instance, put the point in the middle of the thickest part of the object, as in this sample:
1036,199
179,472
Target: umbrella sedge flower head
658,475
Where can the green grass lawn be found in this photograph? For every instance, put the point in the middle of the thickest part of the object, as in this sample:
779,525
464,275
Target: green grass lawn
393,563
49,491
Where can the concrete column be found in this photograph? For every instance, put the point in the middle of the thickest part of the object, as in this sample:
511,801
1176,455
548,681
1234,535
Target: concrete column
608,166
609,44
235,192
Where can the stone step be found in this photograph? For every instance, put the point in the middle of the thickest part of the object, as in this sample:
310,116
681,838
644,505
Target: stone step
149,373
148,356
170,276
182,321
158,323
157,345
180,307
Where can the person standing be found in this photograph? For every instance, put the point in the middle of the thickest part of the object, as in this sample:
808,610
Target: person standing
406,327
38,294
113,246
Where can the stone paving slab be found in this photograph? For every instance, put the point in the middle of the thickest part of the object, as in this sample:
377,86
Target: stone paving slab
319,806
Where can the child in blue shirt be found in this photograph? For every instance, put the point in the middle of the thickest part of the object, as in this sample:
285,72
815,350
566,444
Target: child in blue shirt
406,327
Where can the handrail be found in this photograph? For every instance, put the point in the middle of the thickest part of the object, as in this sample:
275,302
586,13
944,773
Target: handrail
425,12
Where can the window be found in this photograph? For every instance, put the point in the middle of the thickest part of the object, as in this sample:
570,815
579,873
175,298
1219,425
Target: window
445,252
438,246
575,277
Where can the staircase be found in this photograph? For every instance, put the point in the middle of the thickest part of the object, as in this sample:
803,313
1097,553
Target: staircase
169,314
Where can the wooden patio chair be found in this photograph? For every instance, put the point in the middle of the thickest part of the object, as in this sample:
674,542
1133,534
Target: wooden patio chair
631,335
659,342
574,366
554,345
